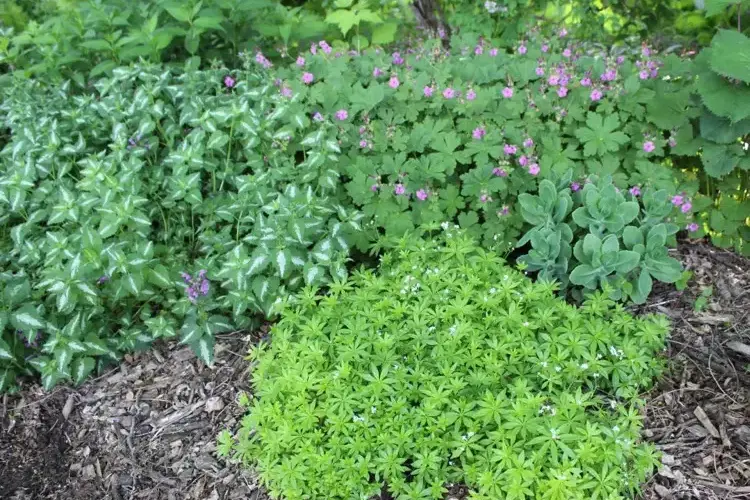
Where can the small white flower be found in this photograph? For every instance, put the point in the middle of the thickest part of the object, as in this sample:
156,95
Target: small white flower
444,225
615,429
584,366
525,323
373,409
558,369
493,290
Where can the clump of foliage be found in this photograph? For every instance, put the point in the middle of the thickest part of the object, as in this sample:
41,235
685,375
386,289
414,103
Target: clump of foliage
160,205
447,366
598,236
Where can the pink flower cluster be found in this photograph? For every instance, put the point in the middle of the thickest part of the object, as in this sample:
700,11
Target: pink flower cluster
262,60
679,200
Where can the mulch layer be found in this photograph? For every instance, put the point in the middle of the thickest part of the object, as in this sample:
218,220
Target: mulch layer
147,429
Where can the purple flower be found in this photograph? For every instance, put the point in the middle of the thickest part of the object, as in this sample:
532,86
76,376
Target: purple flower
342,114
449,93
685,208
677,200
422,194
523,160
478,50
428,91
500,172
478,133
539,71
692,227
286,91
103,279
528,142
399,189
648,146
643,75
261,59
510,149
553,80
317,117
471,95
534,169
229,81
307,78
196,286
300,61
324,46
493,51
586,81
484,198
574,186
505,210
377,72
393,82
545,47
507,92
645,51
313,49
672,142
620,59
397,59
609,75
596,95
563,33
522,49
566,53
363,143
374,187
562,91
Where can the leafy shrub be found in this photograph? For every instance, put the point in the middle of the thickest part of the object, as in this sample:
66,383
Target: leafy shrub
110,200
615,241
446,366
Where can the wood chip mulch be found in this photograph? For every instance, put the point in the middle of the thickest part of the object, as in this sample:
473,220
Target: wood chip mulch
147,430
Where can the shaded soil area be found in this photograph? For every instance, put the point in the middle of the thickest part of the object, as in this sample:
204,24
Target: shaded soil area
147,429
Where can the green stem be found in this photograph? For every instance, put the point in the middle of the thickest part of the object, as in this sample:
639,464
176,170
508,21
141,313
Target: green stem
229,154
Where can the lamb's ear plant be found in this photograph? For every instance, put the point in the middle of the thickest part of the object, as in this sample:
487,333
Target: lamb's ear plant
597,236
445,366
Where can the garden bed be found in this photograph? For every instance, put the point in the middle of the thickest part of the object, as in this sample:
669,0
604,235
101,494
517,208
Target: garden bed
147,429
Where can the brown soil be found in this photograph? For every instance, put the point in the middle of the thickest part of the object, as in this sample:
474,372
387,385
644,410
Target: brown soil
147,429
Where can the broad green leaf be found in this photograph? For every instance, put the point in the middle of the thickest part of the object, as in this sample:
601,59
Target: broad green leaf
730,55
27,318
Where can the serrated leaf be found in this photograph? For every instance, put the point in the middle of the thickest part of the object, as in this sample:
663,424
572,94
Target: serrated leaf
730,55
81,368
5,352
204,349
27,318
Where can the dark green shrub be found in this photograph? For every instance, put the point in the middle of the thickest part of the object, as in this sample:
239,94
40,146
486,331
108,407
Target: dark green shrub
446,366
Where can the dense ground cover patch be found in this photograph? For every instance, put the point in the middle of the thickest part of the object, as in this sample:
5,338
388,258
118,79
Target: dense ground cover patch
446,366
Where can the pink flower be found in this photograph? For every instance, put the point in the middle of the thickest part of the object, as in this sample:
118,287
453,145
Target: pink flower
428,91
323,45
635,191
609,75
566,53
643,75
553,80
397,59
539,71
261,59
478,133
692,227
449,93
393,82
596,94
342,114
510,149
677,200
685,208
313,49
374,187
562,91
563,33
478,50
505,210
528,142
493,51
574,186
500,172
300,61
672,142
484,198
471,95
307,78
363,143
545,47
522,49
422,194
620,59
229,81
586,81
286,91
377,72
648,146
523,160
318,117
534,169
507,92
399,189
